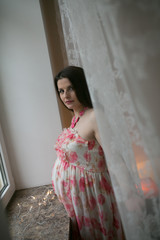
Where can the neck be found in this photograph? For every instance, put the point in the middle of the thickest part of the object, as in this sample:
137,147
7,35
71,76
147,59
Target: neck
77,111
77,116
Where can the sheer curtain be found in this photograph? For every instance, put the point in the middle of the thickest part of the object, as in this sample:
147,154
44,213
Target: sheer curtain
117,44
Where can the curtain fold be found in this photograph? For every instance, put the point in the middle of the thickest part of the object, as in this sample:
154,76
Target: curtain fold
117,44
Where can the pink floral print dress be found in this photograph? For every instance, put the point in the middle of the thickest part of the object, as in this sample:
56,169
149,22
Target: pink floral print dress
81,181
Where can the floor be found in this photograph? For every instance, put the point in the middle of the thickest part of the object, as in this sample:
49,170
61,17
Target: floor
37,214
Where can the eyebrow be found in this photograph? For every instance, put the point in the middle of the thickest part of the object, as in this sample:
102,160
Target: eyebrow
67,87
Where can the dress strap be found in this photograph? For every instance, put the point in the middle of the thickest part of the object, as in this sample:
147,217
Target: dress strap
75,120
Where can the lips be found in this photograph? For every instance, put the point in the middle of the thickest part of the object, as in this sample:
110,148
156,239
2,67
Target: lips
68,102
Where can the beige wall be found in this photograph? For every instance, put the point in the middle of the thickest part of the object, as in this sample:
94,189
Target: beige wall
28,107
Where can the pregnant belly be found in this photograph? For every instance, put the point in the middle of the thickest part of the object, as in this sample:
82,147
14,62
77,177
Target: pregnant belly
56,176
60,177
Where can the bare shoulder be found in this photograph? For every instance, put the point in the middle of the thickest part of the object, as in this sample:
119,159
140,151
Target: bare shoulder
93,124
87,126
91,119
91,115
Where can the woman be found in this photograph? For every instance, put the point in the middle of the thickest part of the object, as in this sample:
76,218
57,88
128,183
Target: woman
80,177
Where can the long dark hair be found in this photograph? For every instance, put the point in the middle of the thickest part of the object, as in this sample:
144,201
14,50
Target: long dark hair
77,77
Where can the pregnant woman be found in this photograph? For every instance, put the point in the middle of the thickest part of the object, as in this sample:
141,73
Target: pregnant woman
80,176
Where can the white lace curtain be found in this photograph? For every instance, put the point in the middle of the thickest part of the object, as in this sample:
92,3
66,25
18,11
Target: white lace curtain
118,45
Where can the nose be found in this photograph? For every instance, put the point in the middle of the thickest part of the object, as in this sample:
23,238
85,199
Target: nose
66,93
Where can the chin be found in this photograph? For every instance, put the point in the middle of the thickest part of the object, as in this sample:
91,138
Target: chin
70,107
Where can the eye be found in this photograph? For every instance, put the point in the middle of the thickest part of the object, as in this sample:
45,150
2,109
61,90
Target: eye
70,88
60,91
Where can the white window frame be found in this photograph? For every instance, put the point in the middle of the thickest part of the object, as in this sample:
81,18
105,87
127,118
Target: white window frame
10,189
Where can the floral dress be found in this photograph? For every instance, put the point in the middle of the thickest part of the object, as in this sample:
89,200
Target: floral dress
81,181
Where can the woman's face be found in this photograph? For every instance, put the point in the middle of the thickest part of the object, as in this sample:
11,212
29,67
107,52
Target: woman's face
67,94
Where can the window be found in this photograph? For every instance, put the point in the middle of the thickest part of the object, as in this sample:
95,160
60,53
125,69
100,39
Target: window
3,177
7,185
